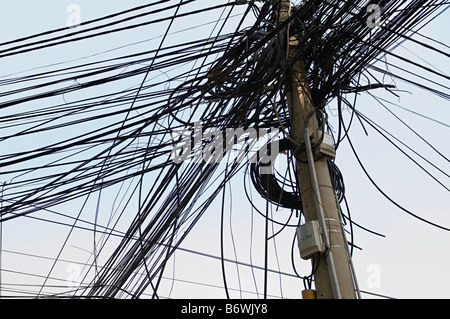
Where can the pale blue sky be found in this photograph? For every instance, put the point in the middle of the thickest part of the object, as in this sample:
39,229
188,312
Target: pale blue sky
411,262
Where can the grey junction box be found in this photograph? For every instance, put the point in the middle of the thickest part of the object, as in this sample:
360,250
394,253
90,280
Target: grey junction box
310,239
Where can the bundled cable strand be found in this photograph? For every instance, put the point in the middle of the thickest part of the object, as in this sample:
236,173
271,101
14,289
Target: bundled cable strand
91,138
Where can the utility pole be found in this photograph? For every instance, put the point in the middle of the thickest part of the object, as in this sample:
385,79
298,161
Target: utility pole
334,277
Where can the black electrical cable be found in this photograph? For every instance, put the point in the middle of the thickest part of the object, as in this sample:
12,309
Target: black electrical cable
236,90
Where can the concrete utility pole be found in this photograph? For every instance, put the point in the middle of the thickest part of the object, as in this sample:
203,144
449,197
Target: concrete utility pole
334,277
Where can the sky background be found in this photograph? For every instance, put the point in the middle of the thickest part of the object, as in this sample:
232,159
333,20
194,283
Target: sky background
411,261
